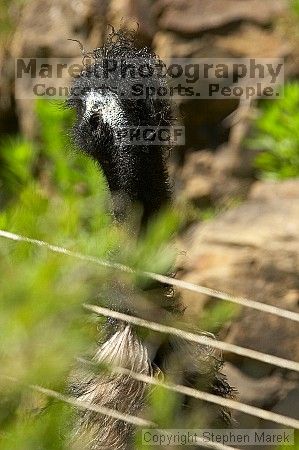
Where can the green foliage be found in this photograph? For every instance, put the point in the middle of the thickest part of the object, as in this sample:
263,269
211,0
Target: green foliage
16,159
295,6
8,14
164,406
49,191
218,314
276,135
295,446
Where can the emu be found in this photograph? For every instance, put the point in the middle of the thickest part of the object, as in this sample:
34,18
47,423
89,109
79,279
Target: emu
136,174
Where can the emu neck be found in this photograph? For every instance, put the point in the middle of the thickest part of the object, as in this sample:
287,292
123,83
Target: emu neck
137,176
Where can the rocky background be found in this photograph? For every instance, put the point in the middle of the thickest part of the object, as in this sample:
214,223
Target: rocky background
250,245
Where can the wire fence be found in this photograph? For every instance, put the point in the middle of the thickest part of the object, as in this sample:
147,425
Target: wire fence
205,396
200,339
158,327
263,307
128,418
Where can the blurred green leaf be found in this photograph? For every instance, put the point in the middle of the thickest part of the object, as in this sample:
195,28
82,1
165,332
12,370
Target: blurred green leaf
52,192
276,136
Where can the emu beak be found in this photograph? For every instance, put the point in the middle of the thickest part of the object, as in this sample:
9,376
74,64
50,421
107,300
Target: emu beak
93,109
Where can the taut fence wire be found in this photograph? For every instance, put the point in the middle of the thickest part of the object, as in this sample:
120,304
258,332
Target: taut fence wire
205,396
193,337
263,307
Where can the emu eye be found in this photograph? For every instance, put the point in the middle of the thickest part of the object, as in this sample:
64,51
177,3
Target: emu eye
94,121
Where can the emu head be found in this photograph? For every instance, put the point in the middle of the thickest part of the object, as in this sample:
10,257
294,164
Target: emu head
112,98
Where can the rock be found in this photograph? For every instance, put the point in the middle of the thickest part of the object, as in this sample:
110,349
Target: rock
197,163
43,32
274,191
250,30
252,41
260,392
196,16
195,177
253,251
205,182
136,14
288,406
198,190
46,26
230,29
